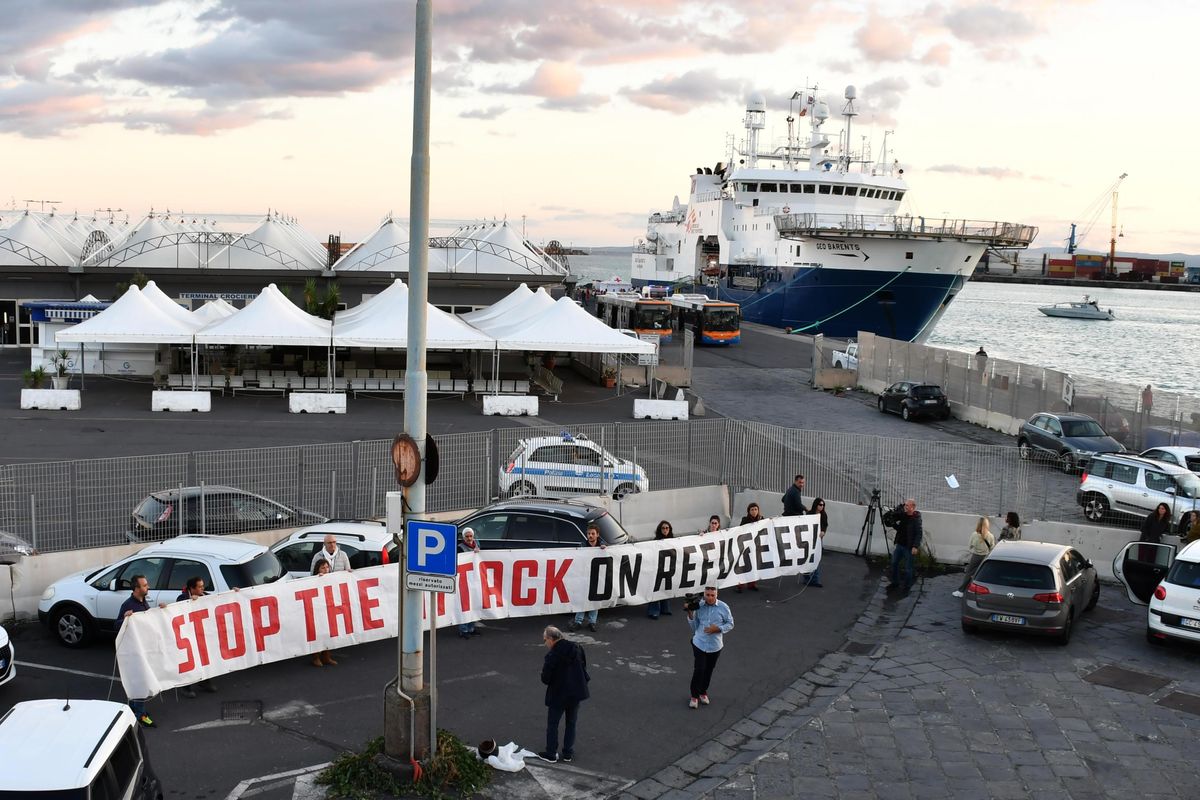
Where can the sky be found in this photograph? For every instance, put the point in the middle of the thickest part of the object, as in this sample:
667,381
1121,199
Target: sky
578,118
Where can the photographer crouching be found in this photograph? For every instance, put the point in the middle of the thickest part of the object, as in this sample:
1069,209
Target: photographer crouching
907,521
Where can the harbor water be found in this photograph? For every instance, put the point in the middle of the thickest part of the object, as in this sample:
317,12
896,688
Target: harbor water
1154,339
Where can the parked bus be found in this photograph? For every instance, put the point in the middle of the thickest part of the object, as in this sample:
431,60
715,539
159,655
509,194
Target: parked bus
714,321
636,313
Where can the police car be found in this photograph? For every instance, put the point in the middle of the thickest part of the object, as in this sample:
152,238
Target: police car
566,465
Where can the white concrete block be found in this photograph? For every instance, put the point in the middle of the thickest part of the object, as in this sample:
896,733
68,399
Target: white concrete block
52,399
660,409
181,401
510,405
317,402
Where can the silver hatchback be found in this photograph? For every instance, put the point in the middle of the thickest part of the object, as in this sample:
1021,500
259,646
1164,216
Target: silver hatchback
1032,587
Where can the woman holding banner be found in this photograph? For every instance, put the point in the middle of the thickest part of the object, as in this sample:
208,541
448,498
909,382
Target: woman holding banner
753,515
322,567
818,507
593,537
654,609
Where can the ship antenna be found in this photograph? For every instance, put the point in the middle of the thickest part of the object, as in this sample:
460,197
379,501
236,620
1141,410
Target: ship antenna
849,112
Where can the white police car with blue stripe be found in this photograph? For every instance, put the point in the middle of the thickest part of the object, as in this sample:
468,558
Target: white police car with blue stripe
566,466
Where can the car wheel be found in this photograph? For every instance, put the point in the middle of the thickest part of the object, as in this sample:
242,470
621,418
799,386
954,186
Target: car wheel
1066,462
1064,638
1025,450
624,490
882,410
969,629
522,489
1095,508
1095,598
904,413
72,626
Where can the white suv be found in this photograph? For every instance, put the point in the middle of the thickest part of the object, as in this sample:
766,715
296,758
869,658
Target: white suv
566,466
1166,581
367,544
1179,456
78,606
1117,486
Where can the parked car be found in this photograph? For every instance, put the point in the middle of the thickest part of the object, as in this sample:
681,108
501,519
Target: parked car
565,466
1167,581
68,749
1126,487
366,543
1186,457
79,606
214,510
13,547
912,400
848,358
8,658
530,523
1032,587
1070,440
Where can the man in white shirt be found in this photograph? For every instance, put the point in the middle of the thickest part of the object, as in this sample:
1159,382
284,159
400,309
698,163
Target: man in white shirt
337,558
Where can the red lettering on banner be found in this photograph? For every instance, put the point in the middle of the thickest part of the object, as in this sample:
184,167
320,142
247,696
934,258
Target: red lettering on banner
491,583
333,609
233,613
196,618
441,604
554,581
184,645
520,598
264,627
464,594
307,596
368,604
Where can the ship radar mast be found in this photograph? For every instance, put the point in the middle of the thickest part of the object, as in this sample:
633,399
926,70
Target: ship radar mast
756,120
849,112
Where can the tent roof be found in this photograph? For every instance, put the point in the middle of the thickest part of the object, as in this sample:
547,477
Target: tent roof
382,321
502,306
132,318
566,327
31,232
172,309
214,310
268,319
376,247
515,315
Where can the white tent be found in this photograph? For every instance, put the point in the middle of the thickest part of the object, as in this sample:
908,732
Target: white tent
133,318
382,249
383,322
214,310
566,328
33,243
269,319
513,314
504,305
168,306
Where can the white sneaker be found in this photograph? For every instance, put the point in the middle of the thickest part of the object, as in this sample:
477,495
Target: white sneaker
693,703
956,593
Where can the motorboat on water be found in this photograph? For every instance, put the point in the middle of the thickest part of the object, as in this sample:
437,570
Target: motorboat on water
1088,309
809,235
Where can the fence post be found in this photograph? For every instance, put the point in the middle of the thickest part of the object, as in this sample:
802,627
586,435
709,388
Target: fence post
355,508
299,477
333,494
33,520
203,515
179,500
374,488
75,536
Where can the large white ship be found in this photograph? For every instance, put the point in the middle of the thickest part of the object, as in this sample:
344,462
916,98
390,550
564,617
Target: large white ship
809,237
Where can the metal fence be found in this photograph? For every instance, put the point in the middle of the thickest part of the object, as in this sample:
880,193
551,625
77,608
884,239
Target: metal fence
78,504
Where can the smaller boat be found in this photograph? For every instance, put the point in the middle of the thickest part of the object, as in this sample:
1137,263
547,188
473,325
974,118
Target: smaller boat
1088,309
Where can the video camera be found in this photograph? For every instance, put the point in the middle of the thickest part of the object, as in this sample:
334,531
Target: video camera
891,518
691,602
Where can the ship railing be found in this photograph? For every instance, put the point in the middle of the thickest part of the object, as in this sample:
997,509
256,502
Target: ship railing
704,197
667,216
997,234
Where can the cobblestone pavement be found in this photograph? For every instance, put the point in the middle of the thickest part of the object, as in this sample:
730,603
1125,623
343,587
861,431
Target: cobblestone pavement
913,707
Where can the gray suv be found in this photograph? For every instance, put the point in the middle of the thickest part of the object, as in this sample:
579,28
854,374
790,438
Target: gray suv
1119,487
1070,440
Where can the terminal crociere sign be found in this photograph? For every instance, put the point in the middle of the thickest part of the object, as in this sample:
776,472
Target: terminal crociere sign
191,640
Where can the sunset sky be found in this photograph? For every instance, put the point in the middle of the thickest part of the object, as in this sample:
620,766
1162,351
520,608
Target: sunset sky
583,115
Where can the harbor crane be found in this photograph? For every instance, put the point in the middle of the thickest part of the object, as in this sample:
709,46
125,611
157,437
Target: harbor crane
1095,209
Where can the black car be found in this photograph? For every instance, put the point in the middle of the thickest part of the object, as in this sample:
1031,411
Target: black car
911,400
1069,440
530,522
212,510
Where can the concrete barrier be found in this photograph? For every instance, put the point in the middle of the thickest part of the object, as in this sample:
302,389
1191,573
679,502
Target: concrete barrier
317,402
660,409
51,399
832,378
687,510
181,401
508,405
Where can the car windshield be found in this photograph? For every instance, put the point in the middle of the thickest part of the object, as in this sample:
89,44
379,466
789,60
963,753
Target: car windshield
927,392
152,510
1189,485
720,319
611,531
1193,463
1184,573
1016,574
1082,427
264,568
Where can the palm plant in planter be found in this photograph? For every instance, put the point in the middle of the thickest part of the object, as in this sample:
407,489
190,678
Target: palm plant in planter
609,376
35,378
58,361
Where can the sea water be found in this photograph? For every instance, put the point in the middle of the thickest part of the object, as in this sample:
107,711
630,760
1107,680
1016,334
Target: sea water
1154,339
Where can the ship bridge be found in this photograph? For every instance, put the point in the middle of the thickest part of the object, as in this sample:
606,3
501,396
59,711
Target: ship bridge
825,226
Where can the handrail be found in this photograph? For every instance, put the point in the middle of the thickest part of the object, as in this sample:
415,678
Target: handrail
1009,234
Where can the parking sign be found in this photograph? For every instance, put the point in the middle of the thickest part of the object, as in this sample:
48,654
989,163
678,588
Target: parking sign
431,548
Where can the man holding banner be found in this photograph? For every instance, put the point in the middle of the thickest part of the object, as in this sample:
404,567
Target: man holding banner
709,622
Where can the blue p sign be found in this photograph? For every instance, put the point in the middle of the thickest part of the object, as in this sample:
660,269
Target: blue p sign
431,547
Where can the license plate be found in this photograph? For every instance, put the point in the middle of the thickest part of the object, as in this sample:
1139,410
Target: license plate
1189,623
1008,618
931,402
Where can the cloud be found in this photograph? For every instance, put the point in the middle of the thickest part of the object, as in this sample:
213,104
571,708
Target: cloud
984,25
36,110
882,39
553,80
882,98
483,113
679,94
987,172
938,55
206,121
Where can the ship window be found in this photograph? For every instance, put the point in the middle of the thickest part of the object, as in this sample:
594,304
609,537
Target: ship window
769,187
891,195
838,189
749,187
808,188
797,188
756,201
823,188
851,191
908,255
899,195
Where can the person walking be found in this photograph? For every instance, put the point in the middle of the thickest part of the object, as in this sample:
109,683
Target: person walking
753,515
593,539
979,545
818,507
907,544
337,558
194,589
663,607
322,567
793,500
1012,527
1156,524
135,604
564,671
709,621
468,545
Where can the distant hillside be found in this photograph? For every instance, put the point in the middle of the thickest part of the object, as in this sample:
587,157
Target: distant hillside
607,251
1036,252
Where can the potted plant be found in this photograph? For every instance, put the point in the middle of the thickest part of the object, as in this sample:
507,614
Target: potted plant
58,361
35,378
609,376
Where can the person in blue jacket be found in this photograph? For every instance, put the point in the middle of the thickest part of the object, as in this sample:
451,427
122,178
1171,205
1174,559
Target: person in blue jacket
710,620
564,671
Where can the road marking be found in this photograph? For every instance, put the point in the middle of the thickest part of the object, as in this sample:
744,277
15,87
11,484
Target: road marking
216,723
243,789
489,674
64,669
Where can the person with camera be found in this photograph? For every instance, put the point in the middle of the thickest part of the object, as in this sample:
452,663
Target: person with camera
710,619
907,522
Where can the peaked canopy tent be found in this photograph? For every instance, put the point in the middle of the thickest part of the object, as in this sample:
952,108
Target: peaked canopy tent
519,305
160,299
566,327
214,310
382,322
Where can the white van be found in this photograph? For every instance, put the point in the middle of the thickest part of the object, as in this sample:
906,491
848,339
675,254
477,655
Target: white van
74,750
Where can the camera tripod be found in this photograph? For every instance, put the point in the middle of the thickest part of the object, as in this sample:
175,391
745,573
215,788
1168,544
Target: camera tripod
874,511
